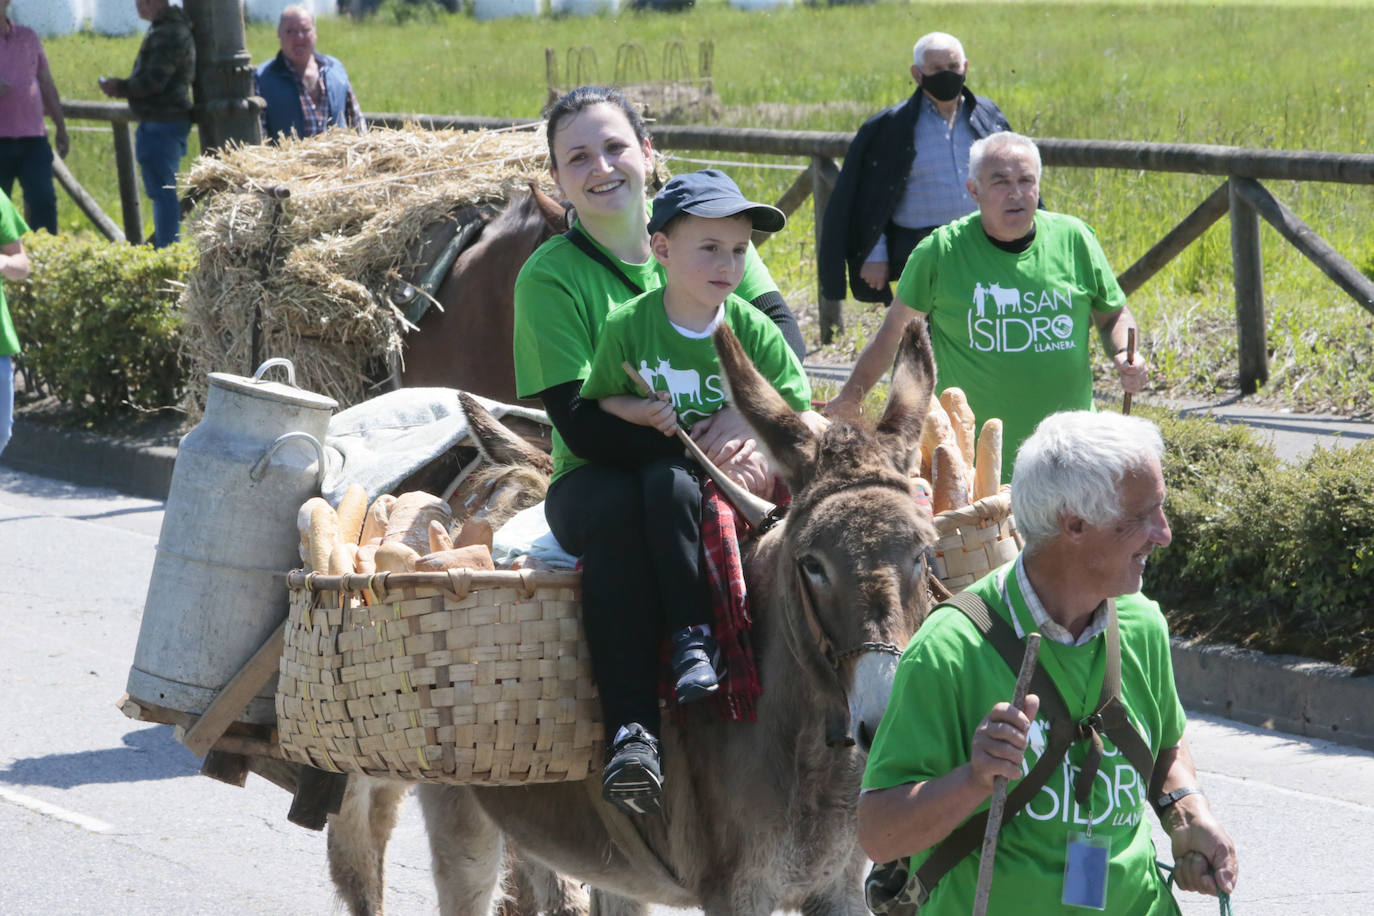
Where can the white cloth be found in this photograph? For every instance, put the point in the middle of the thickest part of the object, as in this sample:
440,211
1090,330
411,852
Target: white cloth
382,441
527,534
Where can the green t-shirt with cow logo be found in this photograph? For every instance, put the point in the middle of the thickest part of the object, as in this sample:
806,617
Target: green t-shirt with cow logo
686,367
1013,330
948,679
562,298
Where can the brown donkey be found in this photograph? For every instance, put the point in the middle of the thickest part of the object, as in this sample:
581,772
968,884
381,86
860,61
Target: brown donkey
757,817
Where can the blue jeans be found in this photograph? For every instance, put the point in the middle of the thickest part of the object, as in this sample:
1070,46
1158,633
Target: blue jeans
30,160
158,147
6,401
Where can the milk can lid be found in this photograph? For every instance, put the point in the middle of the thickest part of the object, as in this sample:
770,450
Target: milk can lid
272,391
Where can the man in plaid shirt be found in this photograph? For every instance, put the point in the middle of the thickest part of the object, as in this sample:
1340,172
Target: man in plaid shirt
159,94
306,92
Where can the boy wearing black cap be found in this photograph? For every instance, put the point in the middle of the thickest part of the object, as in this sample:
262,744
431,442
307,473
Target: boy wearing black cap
700,232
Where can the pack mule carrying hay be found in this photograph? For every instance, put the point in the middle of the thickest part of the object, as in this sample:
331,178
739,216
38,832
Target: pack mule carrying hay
323,260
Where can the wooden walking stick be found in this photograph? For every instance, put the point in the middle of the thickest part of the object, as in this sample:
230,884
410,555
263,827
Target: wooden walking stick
754,508
999,785
1130,358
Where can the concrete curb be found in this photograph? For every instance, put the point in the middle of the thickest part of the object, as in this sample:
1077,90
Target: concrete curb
137,468
1284,692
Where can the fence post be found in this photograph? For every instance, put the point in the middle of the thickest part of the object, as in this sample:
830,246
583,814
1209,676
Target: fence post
823,175
129,200
1248,269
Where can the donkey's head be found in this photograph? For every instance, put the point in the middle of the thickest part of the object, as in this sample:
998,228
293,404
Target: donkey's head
851,559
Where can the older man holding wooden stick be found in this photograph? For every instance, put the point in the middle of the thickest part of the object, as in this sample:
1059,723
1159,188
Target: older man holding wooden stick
1101,730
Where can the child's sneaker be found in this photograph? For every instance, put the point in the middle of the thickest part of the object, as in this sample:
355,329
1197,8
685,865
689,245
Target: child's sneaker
696,664
632,780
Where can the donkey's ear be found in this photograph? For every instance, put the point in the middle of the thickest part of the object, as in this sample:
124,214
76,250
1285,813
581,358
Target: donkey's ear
785,438
498,444
908,399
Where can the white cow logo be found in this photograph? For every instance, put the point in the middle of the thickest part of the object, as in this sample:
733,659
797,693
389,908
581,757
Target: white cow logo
1005,298
683,384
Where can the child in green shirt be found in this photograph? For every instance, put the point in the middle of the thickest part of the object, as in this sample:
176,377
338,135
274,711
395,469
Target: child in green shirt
700,232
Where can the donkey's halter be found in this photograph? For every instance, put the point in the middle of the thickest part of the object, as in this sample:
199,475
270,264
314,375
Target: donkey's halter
822,638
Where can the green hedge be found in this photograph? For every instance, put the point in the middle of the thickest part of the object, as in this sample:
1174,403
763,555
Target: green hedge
98,323
1278,557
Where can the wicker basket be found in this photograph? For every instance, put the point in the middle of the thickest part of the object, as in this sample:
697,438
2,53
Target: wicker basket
463,677
975,540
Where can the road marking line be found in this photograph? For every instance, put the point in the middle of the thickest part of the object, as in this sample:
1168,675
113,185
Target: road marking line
35,804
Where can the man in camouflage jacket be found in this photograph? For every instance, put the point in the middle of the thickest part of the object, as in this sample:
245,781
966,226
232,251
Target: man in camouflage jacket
159,94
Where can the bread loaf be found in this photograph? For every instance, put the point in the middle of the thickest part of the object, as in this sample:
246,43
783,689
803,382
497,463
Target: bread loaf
303,524
340,560
395,556
475,556
322,536
438,537
955,403
951,479
352,509
987,470
366,564
934,432
409,520
474,531
374,526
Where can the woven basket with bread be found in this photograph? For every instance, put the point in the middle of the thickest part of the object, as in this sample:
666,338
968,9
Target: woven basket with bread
972,507
407,654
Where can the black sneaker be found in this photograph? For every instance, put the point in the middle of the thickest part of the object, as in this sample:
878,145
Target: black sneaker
632,780
696,664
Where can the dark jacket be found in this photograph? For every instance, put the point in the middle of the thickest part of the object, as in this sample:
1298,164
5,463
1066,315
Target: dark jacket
159,88
872,181
277,85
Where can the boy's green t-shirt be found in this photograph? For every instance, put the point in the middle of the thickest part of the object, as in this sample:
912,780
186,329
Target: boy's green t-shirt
1013,330
562,298
12,229
947,681
640,333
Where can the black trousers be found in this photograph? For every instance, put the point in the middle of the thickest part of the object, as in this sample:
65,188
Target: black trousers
638,533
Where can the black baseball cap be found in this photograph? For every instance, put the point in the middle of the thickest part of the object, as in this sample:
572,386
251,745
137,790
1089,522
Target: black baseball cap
712,194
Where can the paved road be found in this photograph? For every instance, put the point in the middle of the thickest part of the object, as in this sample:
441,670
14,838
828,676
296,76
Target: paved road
104,815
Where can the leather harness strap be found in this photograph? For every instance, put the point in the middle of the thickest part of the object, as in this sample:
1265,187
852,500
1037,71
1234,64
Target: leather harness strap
1110,719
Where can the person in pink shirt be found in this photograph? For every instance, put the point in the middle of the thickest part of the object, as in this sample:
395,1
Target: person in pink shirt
27,92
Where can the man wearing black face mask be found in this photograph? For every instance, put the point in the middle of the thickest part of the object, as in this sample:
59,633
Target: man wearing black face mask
904,174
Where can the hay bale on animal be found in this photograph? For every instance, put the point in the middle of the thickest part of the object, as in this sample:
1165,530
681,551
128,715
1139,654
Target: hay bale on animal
311,248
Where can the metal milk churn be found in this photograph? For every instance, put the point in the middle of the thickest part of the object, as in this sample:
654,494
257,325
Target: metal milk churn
228,538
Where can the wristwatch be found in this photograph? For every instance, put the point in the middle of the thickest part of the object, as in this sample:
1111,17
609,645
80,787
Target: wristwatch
1168,798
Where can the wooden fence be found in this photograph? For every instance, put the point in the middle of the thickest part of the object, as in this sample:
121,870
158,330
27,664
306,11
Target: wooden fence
1240,195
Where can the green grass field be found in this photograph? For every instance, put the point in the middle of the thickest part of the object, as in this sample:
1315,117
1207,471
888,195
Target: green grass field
1283,75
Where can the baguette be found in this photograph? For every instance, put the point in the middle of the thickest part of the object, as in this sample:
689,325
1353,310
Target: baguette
352,509
303,524
341,560
322,536
366,563
475,556
374,525
951,479
987,470
955,403
935,431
